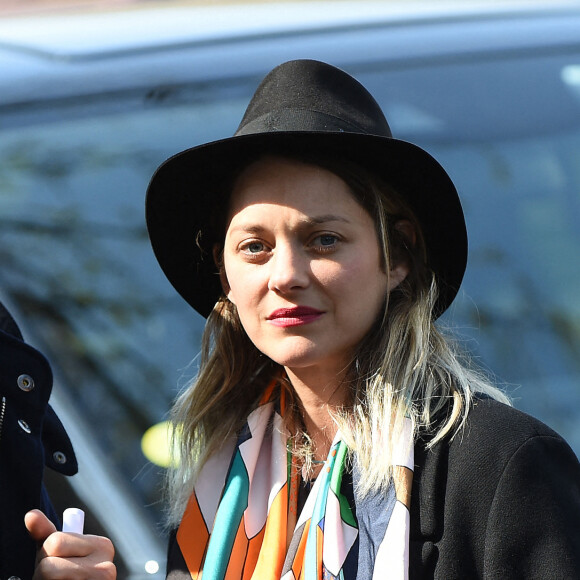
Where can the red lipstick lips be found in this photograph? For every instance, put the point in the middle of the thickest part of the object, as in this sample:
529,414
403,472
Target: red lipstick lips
295,316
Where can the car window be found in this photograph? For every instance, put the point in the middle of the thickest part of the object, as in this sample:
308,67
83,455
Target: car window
76,258
77,262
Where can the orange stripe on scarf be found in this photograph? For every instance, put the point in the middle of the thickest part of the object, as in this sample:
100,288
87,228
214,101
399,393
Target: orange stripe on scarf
273,550
193,526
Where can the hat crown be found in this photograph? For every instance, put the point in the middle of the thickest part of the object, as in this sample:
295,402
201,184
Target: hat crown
307,95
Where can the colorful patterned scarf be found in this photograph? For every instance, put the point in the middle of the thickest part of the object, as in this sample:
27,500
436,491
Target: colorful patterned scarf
241,522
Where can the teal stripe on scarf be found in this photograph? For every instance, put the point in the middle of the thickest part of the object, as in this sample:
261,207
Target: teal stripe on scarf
227,521
333,465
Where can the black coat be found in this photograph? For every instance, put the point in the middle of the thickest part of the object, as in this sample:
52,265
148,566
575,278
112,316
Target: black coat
501,502
31,436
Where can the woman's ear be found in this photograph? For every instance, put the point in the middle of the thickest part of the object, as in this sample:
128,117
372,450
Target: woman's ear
398,274
218,258
407,237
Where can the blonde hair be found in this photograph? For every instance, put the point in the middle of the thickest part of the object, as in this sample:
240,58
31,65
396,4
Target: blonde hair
404,368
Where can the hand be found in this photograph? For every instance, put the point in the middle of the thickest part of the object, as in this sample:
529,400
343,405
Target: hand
69,556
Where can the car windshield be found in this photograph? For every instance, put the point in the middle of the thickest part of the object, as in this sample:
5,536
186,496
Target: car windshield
77,263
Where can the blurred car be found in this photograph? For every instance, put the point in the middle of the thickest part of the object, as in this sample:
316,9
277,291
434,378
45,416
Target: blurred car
92,102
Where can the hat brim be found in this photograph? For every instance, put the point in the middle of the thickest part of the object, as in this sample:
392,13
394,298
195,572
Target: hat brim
191,186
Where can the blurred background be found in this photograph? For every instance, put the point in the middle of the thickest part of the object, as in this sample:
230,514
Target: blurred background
94,96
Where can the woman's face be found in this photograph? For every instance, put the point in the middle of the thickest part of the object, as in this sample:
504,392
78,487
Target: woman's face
302,264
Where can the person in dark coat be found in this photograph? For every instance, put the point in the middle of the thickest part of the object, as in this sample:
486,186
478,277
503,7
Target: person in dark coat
349,438
31,438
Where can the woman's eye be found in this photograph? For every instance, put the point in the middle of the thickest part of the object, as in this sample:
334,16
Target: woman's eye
325,241
254,247
328,240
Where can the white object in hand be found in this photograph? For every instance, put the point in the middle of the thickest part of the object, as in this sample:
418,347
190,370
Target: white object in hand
73,520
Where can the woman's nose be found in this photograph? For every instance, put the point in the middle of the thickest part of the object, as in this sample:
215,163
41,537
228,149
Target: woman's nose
289,269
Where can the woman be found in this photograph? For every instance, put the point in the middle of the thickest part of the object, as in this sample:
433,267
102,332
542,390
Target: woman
332,431
322,250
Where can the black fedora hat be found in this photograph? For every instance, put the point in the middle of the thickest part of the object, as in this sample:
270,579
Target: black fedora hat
300,105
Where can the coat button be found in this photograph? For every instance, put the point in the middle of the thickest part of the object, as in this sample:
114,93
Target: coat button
59,457
24,426
25,383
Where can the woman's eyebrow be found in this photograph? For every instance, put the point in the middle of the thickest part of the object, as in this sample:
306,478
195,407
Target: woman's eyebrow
247,228
306,222
327,218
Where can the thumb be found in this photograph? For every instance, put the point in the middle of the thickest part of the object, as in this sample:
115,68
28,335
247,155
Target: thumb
38,525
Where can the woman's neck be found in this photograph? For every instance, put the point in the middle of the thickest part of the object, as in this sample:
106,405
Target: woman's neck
319,400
